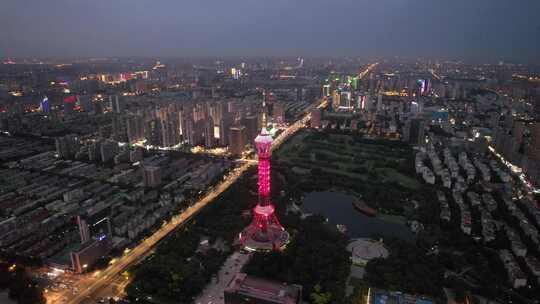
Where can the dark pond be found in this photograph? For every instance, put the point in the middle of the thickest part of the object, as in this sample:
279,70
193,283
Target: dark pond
338,208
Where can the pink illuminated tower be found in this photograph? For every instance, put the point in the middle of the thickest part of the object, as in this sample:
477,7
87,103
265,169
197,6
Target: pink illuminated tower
265,233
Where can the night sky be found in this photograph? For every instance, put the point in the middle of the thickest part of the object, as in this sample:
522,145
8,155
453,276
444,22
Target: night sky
460,29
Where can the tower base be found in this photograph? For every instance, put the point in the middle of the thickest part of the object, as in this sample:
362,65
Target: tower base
265,233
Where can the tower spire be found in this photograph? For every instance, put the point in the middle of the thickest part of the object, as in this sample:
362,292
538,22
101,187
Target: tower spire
264,123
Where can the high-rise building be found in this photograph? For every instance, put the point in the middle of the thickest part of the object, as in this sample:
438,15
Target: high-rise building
134,128
279,112
345,100
151,175
69,104
86,103
169,130
198,132
251,122
232,106
98,107
265,233
117,104
368,103
209,139
153,132
237,140
535,135
87,254
96,237
67,146
119,128
108,150
224,128
326,90
94,223
315,118
45,105
189,131
336,100
379,103
413,131
94,151
84,229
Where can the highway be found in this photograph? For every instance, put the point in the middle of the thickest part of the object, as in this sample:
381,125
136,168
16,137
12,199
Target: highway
90,285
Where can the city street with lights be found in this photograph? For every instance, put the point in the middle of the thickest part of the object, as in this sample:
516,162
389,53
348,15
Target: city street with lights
91,286
212,152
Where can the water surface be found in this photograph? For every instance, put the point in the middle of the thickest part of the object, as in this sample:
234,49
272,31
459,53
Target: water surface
338,208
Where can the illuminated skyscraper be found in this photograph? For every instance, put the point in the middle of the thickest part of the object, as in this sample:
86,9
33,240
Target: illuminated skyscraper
265,233
45,105
326,90
345,100
69,104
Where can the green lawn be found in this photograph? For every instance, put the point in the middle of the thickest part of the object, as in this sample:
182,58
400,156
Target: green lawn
391,175
344,155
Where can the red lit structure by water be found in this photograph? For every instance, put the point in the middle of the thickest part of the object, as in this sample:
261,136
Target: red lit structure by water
265,233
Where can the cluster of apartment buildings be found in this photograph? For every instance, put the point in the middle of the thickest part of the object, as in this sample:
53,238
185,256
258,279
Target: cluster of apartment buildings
489,225
38,209
463,173
42,196
172,121
49,162
14,148
447,170
526,226
515,274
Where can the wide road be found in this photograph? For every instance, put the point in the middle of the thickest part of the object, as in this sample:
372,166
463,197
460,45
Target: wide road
90,285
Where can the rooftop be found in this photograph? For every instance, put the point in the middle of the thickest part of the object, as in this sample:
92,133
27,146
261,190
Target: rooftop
367,249
264,289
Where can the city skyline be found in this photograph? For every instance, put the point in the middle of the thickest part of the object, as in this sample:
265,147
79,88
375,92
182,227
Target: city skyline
487,30
285,152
